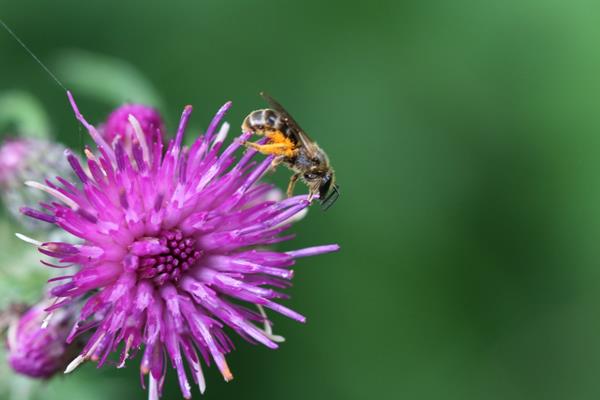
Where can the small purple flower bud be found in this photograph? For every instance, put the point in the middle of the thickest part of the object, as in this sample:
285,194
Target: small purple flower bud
118,124
38,349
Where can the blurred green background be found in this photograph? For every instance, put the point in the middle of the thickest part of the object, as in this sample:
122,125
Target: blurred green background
465,135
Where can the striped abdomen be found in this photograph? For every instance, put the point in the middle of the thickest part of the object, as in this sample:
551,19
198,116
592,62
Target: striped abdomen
267,120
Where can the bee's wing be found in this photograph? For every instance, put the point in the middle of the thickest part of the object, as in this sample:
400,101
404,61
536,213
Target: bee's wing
301,136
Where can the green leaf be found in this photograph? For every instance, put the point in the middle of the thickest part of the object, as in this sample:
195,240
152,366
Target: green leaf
25,113
107,79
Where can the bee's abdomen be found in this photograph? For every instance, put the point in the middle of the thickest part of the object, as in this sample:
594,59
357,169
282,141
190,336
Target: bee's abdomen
260,121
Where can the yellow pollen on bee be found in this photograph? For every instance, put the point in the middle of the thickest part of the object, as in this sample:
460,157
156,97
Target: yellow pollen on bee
278,144
285,146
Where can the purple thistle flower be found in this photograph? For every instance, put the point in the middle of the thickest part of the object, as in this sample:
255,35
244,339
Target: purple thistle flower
170,237
24,159
39,350
13,156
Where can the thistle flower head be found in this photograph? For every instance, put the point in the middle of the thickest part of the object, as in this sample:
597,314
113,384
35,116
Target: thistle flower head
25,159
13,156
38,349
174,250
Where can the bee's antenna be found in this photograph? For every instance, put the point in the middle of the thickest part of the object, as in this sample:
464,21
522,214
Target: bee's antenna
332,198
31,53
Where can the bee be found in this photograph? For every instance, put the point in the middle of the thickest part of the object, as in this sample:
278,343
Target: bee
293,148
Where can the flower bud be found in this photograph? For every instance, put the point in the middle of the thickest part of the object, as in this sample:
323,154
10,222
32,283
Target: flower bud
39,350
118,124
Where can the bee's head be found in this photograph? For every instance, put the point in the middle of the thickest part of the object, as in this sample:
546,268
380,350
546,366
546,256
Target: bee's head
323,183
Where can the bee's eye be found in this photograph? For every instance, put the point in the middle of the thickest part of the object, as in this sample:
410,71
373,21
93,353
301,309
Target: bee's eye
310,177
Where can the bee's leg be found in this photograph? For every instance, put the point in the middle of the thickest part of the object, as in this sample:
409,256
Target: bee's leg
279,149
251,145
293,180
275,163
